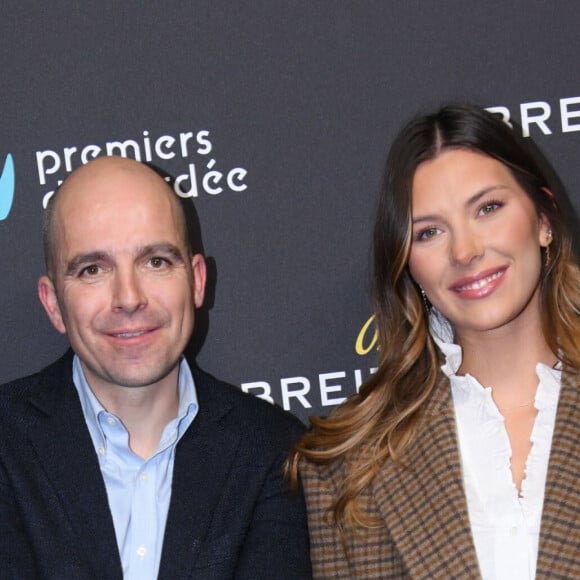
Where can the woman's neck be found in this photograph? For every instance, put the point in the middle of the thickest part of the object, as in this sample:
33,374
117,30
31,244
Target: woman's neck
505,359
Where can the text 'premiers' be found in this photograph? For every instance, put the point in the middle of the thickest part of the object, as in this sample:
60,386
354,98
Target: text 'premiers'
300,392
201,175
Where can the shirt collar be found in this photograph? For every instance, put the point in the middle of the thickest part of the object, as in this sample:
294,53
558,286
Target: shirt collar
92,408
442,333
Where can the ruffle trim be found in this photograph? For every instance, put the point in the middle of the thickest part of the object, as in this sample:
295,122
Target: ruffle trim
483,439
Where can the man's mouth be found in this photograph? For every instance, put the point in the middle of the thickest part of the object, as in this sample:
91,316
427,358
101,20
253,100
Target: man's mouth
128,334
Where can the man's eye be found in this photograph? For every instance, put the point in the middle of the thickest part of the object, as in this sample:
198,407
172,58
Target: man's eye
158,262
91,270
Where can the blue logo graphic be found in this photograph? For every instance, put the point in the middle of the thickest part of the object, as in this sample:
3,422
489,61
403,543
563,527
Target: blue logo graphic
6,187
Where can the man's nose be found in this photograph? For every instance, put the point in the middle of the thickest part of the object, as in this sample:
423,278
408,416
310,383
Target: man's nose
128,292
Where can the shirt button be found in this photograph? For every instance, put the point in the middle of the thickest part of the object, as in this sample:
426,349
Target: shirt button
101,450
514,531
111,421
141,551
143,477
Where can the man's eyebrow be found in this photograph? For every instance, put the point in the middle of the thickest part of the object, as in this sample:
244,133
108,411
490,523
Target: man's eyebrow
81,259
149,250
162,248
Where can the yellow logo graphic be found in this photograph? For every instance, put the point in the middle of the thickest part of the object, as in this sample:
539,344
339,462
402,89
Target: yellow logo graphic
364,344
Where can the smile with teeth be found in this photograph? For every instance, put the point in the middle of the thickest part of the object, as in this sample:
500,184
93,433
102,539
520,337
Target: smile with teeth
129,334
481,283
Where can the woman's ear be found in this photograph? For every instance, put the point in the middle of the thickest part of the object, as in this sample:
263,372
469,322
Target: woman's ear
545,232
546,235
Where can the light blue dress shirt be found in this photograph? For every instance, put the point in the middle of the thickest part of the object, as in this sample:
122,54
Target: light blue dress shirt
138,490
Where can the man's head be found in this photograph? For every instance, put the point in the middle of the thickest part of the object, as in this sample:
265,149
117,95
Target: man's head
121,283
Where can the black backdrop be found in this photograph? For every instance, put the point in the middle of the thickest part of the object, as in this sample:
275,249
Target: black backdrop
284,111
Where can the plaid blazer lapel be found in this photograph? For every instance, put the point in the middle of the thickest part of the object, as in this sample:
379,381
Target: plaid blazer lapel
424,505
559,550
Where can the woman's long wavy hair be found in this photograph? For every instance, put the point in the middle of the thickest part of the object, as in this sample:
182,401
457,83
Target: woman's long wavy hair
380,422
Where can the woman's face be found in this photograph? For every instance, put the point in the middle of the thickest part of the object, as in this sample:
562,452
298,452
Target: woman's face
475,242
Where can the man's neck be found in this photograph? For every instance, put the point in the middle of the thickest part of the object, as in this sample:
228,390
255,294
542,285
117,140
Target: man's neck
144,411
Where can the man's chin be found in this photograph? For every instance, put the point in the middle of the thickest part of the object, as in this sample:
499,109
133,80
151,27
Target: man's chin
133,376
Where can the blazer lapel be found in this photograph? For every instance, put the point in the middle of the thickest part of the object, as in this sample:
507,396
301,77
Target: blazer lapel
424,504
202,464
66,455
559,550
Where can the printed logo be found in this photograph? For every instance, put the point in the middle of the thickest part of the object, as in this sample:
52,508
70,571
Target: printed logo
367,337
204,173
6,187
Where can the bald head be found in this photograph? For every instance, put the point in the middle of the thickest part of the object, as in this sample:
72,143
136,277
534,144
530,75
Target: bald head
103,178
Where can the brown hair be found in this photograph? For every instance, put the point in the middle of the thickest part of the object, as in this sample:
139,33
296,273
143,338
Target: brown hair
381,421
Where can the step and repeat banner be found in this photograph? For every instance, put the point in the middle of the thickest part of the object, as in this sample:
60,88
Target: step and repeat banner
274,118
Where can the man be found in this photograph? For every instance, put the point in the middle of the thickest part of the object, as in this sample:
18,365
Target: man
119,461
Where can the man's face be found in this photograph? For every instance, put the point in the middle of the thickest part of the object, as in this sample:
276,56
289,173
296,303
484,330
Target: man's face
124,287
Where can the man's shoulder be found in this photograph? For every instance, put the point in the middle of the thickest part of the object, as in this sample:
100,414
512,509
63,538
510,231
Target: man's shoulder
21,389
247,411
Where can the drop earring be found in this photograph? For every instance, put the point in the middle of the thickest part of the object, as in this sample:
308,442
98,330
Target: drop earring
547,257
426,302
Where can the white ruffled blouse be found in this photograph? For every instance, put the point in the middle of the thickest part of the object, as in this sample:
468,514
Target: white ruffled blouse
505,525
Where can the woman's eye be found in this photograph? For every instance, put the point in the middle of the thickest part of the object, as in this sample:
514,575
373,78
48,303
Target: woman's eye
490,207
427,233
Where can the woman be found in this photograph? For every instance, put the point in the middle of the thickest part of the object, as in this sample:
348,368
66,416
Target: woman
458,458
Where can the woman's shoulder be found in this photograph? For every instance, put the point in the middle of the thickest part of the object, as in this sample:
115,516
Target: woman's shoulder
312,471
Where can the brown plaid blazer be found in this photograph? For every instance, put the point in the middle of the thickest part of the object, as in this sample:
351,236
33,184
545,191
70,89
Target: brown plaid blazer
425,531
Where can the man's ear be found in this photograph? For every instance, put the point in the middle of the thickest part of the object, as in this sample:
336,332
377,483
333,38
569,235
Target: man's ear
47,296
199,272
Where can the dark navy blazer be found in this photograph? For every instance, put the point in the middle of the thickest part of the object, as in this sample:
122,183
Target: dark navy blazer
231,514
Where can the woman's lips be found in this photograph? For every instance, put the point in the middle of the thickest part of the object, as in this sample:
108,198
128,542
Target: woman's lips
479,285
